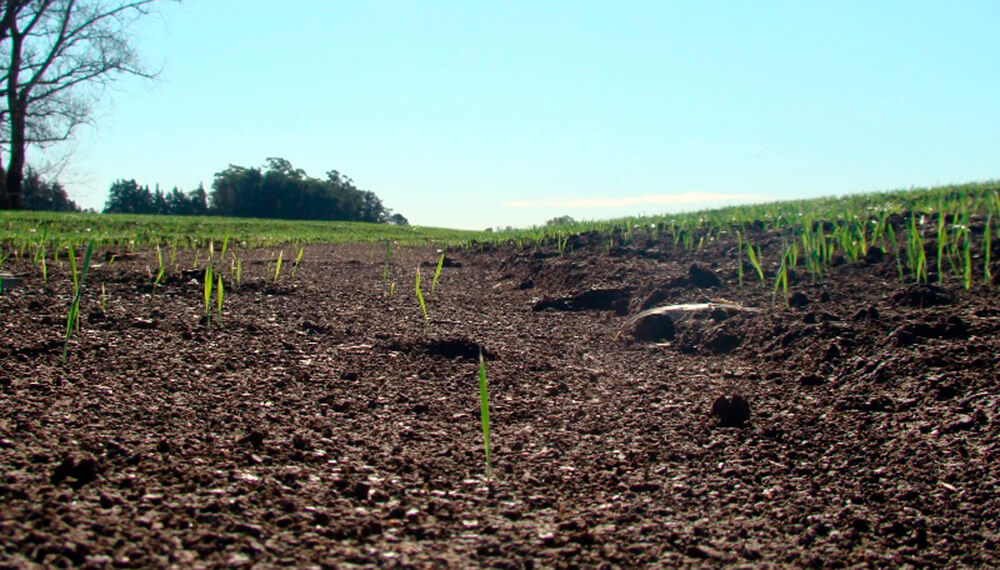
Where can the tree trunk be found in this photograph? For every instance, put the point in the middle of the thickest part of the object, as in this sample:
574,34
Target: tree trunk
3,188
16,108
15,174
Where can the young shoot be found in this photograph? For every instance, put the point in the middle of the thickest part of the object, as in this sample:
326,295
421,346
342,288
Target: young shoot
277,267
298,260
987,246
420,297
218,297
159,260
754,257
73,318
437,272
484,412
208,293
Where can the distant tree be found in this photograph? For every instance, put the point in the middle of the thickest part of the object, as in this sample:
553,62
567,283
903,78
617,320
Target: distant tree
159,202
178,203
279,190
398,220
40,194
127,197
561,221
52,52
198,199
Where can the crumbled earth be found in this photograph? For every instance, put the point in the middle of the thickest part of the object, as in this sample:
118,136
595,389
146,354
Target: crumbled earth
323,423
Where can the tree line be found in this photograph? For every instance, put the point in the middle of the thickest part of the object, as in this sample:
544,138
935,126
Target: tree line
276,190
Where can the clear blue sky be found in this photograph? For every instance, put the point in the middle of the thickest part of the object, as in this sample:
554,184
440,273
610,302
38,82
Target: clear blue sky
475,114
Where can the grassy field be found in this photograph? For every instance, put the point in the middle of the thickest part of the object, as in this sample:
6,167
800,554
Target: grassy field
143,231
932,233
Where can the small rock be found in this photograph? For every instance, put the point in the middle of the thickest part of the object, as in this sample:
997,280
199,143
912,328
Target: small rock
962,423
654,327
80,469
811,380
798,299
732,410
255,438
874,255
702,277
248,529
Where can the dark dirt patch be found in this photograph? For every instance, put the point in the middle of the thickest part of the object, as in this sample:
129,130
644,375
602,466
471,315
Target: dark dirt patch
614,299
322,423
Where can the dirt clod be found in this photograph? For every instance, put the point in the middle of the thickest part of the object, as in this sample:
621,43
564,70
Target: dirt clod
653,328
731,410
703,277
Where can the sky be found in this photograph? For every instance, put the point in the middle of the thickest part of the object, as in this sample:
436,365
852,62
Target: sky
492,114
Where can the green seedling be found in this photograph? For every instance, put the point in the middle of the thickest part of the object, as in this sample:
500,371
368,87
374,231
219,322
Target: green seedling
437,272
781,281
895,248
173,255
739,257
159,274
942,239
225,246
73,318
987,246
484,412
420,297
74,275
754,257
277,267
298,260
218,297
208,293
967,258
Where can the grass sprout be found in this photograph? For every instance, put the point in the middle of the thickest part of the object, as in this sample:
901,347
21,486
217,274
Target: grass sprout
420,297
298,260
218,297
159,260
484,412
73,318
754,257
208,293
277,267
437,272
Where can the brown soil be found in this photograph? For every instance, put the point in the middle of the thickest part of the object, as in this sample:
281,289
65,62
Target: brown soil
323,424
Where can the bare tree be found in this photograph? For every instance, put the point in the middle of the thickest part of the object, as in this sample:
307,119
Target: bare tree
52,53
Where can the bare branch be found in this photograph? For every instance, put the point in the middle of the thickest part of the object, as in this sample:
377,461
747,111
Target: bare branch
49,49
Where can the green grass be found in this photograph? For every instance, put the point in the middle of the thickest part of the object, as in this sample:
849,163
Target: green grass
142,231
824,232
